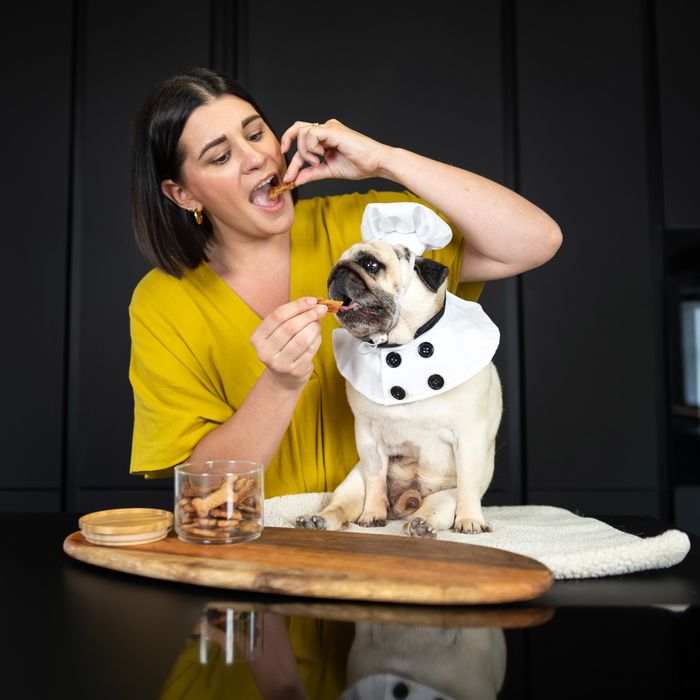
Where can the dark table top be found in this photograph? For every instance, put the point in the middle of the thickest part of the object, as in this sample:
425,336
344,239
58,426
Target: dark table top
78,631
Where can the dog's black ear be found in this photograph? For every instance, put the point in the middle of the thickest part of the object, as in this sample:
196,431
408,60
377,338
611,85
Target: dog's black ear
431,272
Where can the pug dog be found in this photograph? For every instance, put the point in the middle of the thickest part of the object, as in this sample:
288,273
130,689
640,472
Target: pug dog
425,395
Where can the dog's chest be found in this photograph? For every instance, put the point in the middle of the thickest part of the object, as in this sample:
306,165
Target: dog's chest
405,430
409,438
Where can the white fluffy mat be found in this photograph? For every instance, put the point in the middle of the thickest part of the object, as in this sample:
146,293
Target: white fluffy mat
569,545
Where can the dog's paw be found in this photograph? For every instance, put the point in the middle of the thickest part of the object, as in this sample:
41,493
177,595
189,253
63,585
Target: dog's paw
372,520
469,526
311,522
420,527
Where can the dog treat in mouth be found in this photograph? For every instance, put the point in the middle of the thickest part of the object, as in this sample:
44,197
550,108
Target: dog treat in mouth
332,304
277,190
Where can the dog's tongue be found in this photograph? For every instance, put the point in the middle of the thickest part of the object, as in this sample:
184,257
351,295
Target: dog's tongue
350,307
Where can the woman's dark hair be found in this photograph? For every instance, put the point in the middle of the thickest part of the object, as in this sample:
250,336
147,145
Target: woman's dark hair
167,235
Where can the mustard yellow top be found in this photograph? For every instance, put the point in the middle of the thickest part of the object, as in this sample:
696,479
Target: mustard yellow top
192,363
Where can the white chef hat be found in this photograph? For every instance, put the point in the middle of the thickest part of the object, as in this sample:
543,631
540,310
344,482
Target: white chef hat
407,223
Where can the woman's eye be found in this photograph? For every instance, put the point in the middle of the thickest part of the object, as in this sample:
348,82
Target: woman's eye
370,264
256,136
222,158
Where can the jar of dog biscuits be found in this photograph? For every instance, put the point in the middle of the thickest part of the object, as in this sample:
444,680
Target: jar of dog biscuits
219,501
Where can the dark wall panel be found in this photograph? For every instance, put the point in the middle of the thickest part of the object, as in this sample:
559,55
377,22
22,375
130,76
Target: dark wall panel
438,91
30,501
36,195
426,81
678,24
500,301
597,502
127,48
589,327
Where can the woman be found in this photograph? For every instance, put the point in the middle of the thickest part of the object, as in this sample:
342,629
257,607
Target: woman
231,354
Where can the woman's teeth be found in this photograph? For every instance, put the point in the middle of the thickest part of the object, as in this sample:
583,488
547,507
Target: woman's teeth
265,182
259,195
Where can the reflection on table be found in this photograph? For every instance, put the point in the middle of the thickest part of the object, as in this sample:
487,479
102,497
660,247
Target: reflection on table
87,632
345,652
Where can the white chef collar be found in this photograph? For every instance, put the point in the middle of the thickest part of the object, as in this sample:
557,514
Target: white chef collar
461,343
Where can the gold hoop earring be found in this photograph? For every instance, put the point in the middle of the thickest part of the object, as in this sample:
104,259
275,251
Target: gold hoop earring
198,217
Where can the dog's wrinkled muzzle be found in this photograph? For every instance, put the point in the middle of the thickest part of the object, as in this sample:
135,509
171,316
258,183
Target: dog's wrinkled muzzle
368,312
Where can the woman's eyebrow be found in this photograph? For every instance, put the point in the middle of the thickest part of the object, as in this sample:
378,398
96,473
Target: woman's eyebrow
223,138
211,144
249,119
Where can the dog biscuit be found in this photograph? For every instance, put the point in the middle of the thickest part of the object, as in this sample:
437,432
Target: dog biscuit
332,304
277,190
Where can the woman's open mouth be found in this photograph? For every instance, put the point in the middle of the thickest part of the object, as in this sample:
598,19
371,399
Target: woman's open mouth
260,196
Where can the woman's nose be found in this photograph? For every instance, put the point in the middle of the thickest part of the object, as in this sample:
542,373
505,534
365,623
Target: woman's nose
253,158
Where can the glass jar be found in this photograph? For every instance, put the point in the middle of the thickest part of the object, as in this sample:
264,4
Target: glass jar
219,501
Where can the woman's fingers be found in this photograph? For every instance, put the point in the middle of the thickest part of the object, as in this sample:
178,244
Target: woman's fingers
300,175
281,315
304,362
309,143
330,150
311,150
292,364
292,134
289,337
300,348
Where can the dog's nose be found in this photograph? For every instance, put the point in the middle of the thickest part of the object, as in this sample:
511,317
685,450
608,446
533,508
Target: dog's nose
337,280
332,275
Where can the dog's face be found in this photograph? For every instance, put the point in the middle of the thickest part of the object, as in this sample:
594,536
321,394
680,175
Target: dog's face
369,277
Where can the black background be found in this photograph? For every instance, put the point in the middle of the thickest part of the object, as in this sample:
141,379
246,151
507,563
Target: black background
589,109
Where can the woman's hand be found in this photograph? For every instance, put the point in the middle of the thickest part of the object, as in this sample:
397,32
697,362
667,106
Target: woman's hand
331,150
287,340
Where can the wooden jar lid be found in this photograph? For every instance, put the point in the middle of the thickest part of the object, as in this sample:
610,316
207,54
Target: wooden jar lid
124,526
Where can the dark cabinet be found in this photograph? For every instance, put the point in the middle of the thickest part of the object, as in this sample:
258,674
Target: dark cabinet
677,25
37,210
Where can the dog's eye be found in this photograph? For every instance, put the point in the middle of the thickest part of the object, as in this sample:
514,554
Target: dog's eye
370,264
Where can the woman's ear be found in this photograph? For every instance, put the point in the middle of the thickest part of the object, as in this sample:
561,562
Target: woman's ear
179,195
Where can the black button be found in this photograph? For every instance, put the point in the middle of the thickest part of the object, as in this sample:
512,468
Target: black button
425,349
393,359
400,691
398,393
435,381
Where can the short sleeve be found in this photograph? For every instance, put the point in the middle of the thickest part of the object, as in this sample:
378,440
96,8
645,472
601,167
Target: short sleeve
175,405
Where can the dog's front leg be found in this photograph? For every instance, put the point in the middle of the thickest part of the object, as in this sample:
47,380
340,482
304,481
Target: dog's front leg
344,508
374,464
437,512
474,461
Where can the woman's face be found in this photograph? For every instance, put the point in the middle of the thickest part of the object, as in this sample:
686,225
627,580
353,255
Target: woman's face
232,158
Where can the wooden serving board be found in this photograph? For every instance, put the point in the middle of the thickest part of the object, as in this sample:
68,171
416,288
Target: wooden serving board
505,617
345,565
